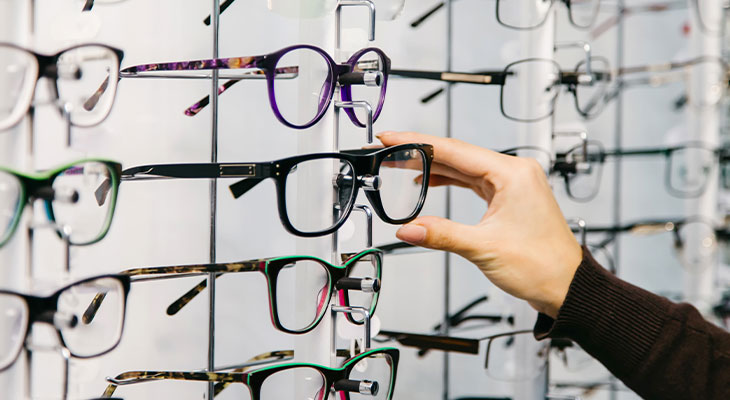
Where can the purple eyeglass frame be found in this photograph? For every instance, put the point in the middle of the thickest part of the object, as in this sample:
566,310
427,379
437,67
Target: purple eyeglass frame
267,64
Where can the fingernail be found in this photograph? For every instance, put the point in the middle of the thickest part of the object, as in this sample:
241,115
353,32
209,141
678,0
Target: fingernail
411,233
383,134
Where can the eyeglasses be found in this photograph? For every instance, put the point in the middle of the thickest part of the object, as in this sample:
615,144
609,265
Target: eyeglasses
624,12
694,238
588,83
371,374
687,168
357,283
301,81
705,78
71,196
73,74
63,310
395,180
524,15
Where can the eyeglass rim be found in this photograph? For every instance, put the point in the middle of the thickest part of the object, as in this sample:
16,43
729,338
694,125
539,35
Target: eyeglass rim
53,299
43,60
49,176
272,269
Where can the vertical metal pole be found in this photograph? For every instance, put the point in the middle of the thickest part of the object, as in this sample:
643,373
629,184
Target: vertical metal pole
703,124
447,200
618,162
215,23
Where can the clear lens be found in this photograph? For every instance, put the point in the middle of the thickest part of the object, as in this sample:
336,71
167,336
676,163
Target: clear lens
706,82
329,190
372,64
90,316
83,201
87,83
689,170
584,183
530,90
302,9
303,95
292,383
18,74
302,294
583,12
401,174
517,357
10,203
521,14
13,325
603,256
589,97
372,370
698,245
367,266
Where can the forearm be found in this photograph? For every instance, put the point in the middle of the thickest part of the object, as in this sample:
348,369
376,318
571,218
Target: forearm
659,349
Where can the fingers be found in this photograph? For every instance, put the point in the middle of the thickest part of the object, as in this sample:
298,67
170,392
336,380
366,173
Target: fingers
440,180
441,234
466,158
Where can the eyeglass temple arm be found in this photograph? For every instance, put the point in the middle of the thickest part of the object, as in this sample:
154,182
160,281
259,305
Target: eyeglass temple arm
460,313
177,271
418,21
263,358
480,77
427,98
223,6
88,5
182,301
281,73
433,342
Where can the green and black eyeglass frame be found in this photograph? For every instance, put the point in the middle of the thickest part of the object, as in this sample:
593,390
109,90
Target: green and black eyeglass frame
371,374
356,282
395,180
70,193
64,310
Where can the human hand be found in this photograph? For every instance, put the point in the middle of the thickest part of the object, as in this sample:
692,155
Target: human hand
522,243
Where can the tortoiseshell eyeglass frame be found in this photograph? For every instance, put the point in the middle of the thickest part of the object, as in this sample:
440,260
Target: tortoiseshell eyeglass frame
254,380
43,309
40,186
363,162
270,267
267,64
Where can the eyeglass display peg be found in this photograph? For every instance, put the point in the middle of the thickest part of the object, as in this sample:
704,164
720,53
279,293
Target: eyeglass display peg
366,285
370,79
364,387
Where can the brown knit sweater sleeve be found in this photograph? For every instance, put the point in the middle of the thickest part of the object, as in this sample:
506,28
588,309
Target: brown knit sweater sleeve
659,349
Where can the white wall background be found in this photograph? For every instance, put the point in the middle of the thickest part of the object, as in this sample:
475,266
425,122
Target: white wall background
166,222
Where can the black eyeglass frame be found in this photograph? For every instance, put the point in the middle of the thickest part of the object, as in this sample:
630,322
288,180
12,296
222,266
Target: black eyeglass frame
42,309
365,163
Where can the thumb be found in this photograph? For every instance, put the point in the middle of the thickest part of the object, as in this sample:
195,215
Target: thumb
440,234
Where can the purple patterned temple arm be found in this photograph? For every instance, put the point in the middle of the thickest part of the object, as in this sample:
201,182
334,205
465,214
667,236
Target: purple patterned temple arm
223,6
195,65
281,73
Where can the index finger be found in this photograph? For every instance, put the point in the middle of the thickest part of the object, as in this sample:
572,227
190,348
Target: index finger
464,157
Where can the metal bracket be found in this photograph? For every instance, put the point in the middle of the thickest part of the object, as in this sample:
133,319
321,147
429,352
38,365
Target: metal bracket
369,220
65,233
358,104
66,109
581,225
349,310
585,46
580,134
338,19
